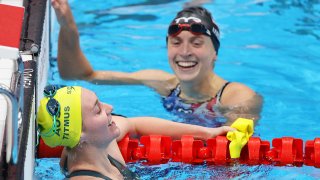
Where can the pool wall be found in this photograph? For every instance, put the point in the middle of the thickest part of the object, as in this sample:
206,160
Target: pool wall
34,52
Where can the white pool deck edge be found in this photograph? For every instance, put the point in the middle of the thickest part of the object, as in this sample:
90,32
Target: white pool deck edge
12,2
7,67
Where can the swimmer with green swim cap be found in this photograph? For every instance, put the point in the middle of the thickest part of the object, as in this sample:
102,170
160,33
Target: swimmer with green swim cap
74,117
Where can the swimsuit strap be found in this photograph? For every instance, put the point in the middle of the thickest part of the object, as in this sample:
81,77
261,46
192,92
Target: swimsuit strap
176,91
219,94
126,173
88,173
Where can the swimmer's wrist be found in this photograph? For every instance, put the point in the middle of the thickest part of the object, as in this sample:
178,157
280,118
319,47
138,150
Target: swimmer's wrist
207,133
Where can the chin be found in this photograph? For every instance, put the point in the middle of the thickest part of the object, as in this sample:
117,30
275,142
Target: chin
187,75
186,78
117,132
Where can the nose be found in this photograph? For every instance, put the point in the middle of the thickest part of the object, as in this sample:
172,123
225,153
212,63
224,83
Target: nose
108,108
185,50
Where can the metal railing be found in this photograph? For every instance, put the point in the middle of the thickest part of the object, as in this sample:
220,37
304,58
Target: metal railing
14,97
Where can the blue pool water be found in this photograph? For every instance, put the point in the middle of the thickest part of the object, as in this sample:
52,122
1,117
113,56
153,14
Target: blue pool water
270,45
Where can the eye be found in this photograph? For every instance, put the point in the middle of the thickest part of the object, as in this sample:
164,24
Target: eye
175,41
197,42
97,108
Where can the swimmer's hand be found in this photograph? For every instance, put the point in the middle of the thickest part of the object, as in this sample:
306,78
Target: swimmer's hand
63,12
220,131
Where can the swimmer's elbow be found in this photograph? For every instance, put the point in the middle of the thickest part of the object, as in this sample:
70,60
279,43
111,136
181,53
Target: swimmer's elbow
73,75
66,76
257,103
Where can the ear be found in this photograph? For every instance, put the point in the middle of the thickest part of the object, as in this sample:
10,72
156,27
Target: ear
214,59
214,56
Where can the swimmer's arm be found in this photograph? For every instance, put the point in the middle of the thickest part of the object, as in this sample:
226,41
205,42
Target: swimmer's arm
151,125
241,101
72,63
159,80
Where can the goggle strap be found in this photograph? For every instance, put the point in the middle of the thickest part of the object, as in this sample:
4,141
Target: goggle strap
51,92
52,129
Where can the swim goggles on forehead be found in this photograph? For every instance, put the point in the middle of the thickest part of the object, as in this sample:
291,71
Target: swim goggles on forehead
194,28
53,107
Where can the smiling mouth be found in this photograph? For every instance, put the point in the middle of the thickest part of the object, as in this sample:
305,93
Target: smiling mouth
186,64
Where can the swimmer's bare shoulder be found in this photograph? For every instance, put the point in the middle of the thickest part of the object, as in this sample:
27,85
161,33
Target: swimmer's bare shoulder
238,100
236,93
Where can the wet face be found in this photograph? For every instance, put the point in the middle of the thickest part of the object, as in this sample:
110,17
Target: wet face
98,127
191,56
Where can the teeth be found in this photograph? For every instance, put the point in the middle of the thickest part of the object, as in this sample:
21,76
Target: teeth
186,64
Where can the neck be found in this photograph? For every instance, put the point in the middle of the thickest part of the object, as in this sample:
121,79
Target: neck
95,159
199,91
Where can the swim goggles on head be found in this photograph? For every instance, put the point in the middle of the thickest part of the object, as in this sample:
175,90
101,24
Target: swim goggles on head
194,28
53,107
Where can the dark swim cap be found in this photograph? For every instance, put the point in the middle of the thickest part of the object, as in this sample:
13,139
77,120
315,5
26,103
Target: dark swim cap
202,16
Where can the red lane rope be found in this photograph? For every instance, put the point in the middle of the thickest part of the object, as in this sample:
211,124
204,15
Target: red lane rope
157,149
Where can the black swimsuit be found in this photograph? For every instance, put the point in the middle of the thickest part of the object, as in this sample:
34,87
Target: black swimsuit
126,173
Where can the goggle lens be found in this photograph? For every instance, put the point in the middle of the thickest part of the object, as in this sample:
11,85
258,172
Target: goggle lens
53,107
50,91
194,28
